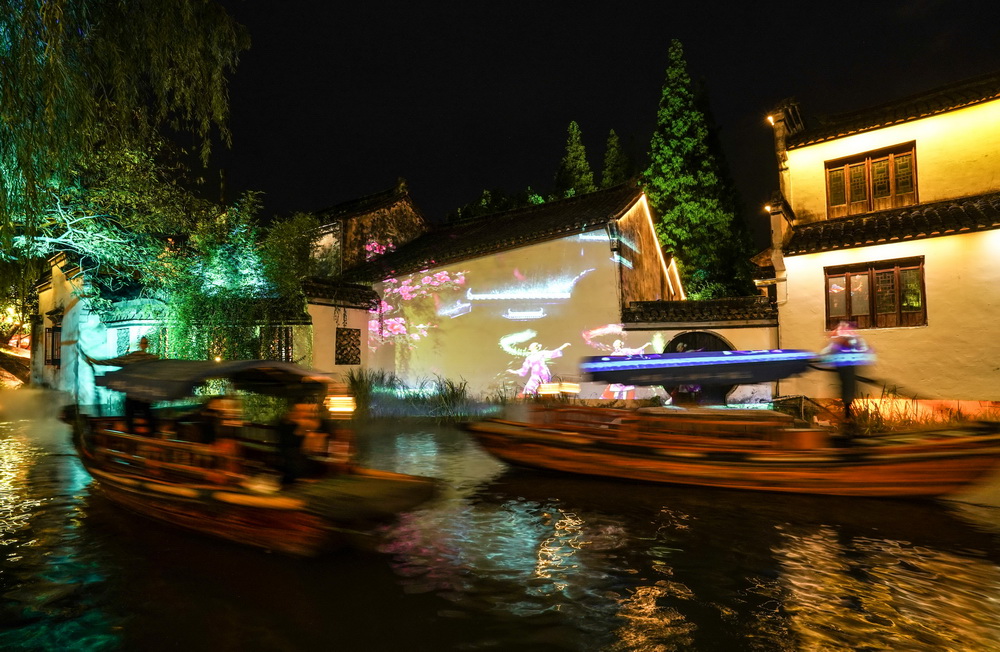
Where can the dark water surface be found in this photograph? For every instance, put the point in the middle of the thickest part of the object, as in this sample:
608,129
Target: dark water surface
506,560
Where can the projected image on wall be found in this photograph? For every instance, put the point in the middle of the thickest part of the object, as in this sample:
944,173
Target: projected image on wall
514,322
510,322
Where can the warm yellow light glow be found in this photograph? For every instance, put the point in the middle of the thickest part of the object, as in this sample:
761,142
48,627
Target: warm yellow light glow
767,208
553,389
770,119
218,359
340,404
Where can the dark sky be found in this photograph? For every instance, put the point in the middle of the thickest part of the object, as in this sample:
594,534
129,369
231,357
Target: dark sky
337,100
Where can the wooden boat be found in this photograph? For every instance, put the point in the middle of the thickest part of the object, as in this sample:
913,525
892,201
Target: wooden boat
225,488
751,449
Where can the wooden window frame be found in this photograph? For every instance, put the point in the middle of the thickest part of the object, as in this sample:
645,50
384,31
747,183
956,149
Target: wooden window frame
869,203
53,346
873,318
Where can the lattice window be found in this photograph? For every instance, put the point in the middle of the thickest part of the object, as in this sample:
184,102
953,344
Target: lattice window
53,346
879,294
122,341
348,346
871,181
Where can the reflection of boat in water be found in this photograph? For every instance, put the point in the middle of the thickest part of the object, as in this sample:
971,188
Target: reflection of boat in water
741,449
218,488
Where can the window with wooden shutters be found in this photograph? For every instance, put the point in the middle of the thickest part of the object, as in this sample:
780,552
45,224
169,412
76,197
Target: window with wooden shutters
882,294
873,181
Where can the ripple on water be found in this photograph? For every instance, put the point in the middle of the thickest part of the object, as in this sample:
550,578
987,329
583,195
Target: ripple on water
50,583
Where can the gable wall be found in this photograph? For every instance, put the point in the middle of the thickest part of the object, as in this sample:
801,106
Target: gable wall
450,320
647,279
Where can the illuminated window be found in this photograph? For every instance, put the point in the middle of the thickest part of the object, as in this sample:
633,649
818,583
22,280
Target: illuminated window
348,346
53,346
881,294
872,181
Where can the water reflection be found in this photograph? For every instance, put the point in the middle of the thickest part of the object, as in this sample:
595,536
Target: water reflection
48,580
503,560
739,572
889,594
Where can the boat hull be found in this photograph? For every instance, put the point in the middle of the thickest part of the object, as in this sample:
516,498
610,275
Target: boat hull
936,467
306,519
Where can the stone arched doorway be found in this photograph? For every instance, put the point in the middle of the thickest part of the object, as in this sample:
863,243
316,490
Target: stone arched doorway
698,394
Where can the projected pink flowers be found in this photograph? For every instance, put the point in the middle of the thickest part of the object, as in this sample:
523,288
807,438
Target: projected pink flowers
402,324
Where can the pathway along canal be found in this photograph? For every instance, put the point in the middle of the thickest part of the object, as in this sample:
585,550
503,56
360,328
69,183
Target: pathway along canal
506,560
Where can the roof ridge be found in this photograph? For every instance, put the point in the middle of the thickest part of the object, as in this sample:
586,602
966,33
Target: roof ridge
369,202
933,101
546,204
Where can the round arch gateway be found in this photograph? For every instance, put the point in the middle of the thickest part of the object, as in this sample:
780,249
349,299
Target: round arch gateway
700,394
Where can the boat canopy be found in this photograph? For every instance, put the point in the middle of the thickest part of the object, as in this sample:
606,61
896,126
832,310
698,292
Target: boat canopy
167,380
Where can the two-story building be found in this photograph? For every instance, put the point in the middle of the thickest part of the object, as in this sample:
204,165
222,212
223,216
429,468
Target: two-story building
889,217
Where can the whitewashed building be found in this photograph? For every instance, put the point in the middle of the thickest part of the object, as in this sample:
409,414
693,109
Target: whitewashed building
889,217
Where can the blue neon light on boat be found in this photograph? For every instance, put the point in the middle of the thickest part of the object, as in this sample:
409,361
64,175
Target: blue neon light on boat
694,359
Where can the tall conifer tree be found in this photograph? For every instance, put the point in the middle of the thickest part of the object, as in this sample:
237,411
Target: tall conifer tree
697,218
574,176
617,167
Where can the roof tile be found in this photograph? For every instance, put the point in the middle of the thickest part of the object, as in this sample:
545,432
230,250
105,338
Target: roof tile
977,213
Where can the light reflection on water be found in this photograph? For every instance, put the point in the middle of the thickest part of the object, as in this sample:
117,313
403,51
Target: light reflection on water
503,560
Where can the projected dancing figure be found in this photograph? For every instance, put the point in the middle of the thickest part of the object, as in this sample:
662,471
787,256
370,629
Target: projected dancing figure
536,367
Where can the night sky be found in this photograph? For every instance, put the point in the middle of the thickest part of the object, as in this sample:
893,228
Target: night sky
335,100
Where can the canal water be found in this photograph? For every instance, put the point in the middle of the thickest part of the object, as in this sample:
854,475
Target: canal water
505,560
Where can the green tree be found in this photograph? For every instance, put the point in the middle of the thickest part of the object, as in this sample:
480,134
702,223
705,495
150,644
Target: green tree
617,166
697,217
574,176
233,282
80,78
87,87
496,201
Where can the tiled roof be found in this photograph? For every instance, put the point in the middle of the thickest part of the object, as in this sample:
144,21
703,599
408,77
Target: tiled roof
978,213
939,100
135,310
367,204
490,234
347,295
709,310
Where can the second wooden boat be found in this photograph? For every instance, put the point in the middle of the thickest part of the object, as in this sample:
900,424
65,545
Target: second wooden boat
752,449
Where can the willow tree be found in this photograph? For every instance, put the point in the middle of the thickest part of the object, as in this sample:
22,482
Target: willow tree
87,89
86,78
697,216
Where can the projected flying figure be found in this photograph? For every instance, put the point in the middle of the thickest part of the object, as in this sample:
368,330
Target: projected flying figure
536,367
614,390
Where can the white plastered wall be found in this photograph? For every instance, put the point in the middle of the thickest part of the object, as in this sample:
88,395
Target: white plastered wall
325,322
955,356
465,345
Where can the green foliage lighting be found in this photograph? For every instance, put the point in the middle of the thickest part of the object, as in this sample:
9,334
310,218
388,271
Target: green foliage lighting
697,214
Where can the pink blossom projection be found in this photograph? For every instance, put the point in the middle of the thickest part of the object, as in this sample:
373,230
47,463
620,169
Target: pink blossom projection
390,323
